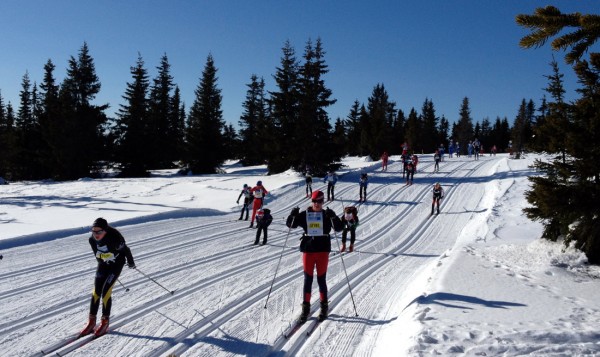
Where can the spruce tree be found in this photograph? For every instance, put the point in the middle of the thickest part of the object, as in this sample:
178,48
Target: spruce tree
253,123
413,129
83,144
132,131
313,132
565,197
381,114
284,113
205,125
50,119
444,130
160,113
4,148
464,126
429,139
177,126
353,130
10,157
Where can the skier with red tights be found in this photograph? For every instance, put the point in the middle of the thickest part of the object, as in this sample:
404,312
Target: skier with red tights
315,246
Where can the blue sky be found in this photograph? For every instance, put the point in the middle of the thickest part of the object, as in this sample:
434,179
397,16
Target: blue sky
441,50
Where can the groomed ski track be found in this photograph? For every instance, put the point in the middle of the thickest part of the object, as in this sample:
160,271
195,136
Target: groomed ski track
221,281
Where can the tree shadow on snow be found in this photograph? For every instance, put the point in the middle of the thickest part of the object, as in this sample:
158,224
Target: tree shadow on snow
443,299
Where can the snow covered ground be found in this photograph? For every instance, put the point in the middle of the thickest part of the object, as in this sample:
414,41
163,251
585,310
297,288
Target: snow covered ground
473,281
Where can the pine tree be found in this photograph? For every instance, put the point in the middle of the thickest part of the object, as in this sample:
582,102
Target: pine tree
50,119
549,21
4,148
253,123
398,133
413,129
177,126
10,138
83,143
284,113
353,130
339,138
429,139
163,134
29,145
132,131
205,125
313,132
464,126
444,129
565,197
381,114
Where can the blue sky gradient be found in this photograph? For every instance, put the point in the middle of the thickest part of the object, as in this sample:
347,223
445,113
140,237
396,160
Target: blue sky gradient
441,50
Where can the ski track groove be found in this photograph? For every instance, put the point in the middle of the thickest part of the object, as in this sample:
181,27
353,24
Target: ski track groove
213,321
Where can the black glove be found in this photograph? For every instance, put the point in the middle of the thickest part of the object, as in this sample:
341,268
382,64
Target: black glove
295,211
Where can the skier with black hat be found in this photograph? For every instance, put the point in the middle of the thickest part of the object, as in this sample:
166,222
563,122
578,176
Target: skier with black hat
111,253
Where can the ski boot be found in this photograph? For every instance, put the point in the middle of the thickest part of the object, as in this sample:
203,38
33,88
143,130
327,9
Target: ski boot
89,328
103,328
256,242
343,249
351,248
305,311
264,242
251,224
324,310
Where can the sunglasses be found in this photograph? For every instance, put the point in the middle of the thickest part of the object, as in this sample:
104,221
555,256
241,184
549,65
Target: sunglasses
317,201
100,231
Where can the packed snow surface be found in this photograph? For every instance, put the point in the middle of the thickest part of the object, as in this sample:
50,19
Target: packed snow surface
475,280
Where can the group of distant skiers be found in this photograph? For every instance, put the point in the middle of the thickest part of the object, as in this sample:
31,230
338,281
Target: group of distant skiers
317,222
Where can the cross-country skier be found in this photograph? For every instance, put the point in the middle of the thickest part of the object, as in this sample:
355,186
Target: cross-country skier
111,253
410,172
349,222
247,199
263,220
362,183
438,194
330,179
384,161
415,160
258,192
315,246
437,158
308,179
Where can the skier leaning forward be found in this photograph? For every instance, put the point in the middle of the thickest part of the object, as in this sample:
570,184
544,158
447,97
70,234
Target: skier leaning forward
111,252
315,246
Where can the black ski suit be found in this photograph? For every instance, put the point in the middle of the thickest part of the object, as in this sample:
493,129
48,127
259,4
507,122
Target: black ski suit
111,253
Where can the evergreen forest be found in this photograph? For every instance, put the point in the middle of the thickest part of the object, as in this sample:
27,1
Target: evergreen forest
57,131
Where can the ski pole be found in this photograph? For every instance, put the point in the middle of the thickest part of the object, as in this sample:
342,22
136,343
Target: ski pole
156,282
279,262
126,289
345,272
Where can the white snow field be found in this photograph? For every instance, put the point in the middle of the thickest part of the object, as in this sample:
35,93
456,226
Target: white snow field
474,281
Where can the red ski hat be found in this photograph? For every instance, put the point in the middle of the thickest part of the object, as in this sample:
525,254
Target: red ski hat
318,196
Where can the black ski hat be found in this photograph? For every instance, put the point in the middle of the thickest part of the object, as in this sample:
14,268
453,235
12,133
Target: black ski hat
100,223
